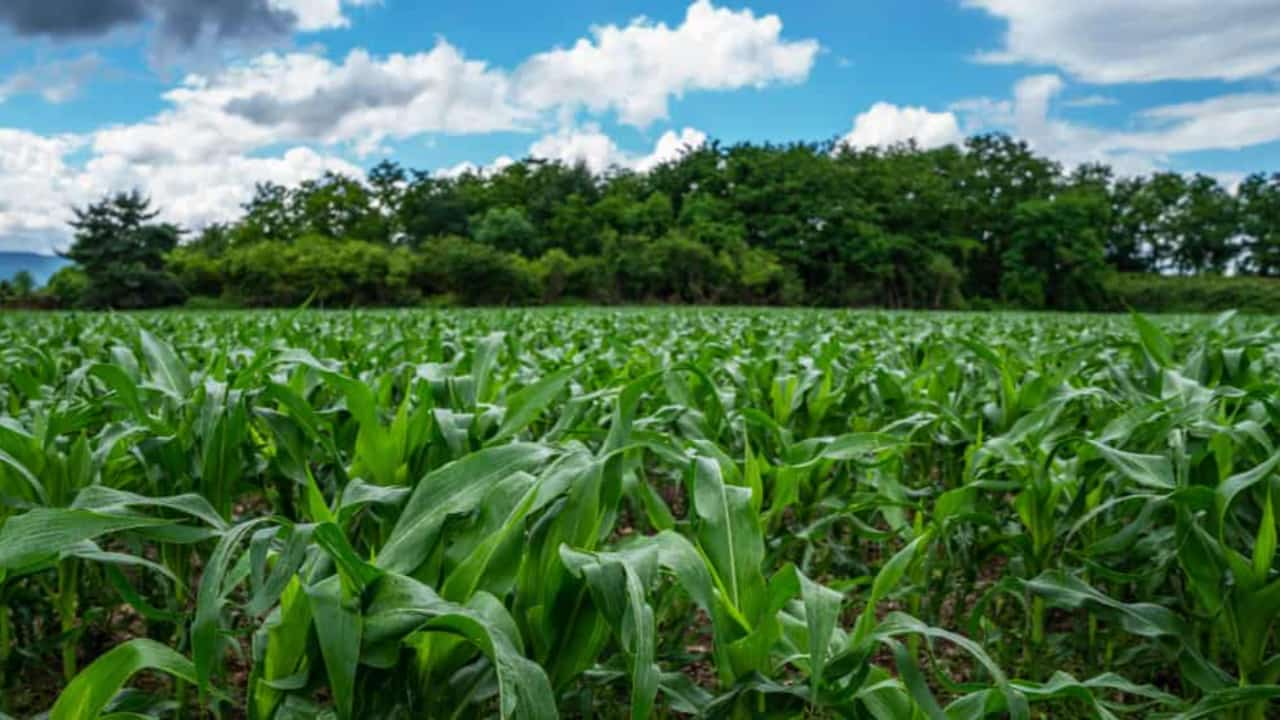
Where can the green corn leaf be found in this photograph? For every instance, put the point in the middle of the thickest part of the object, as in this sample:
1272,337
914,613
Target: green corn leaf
1156,344
821,614
1153,471
339,627
401,606
524,406
1141,618
885,582
1215,703
730,535
618,584
1234,485
90,691
454,488
206,627
168,373
37,537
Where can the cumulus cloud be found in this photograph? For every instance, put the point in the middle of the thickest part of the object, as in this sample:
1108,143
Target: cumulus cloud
595,149
887,124
364,99
192,192
1122,41
589,146
670,147
36,185
467,167
313,15
599,152
287,116
637,69
304,98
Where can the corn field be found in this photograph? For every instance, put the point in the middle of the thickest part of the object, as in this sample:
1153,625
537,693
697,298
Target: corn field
638,513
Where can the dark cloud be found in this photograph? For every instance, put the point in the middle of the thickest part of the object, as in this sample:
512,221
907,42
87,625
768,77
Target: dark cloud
319,112
180,24
184,22
70,18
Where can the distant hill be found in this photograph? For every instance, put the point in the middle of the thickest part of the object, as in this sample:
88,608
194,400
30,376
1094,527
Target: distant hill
40,266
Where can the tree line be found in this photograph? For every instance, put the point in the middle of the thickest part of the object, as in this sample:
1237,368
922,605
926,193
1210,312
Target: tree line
987,224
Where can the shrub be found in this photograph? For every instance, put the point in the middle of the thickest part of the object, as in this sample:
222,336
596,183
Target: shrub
476,273
1204,293
67,286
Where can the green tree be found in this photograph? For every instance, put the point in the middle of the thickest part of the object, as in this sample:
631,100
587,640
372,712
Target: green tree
998,174
388,183
478,274
339,207
432,207
1259,219
122,252
24,285
213,240
67,287
268,215
1130,247
573,228
1205,227
1056,256
508,229
808,223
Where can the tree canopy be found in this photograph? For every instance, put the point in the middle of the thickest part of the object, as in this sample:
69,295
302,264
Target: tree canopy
988,223
122,253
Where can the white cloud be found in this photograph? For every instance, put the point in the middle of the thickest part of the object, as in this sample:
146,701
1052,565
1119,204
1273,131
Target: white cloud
36,185
1089,101
670,147
1120,41
467,166
1227,122
887,124
197,193
599,152
284,117
592,147
39,186
589,146
56,82
305,98
637,69
315,15
1028,116
982,113
364,100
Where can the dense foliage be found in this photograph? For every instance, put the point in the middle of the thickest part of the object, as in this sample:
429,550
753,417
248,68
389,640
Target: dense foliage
987,224
608,513
122,253
1199,293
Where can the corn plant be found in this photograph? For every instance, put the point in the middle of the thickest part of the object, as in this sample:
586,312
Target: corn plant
638,513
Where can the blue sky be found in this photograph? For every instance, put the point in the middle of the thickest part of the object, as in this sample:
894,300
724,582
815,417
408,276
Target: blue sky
196,100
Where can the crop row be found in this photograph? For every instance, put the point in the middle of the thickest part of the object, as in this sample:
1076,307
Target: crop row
719,513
